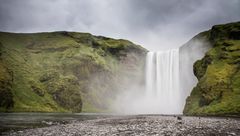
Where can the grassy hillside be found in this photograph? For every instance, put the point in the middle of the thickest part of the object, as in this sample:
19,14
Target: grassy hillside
64,71
218,89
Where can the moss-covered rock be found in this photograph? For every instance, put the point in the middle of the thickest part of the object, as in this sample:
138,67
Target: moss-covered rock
64,71
218,89
6,95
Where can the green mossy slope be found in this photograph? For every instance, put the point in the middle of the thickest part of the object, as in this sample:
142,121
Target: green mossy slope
63,71
218,89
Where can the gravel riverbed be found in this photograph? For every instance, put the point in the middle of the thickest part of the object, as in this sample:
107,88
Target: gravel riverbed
141,125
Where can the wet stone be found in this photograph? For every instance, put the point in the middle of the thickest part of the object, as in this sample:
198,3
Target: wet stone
140,126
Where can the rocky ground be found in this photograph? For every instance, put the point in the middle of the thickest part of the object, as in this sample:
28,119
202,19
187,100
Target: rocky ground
142,125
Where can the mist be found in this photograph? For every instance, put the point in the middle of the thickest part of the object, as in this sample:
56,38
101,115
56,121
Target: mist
156,25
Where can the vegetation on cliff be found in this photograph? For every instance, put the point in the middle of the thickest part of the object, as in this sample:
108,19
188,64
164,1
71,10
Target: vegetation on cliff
64,71
218,89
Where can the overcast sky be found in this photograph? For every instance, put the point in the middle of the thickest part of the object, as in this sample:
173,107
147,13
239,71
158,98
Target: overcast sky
154,24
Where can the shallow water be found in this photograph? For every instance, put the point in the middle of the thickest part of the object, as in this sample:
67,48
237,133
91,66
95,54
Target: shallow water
20,121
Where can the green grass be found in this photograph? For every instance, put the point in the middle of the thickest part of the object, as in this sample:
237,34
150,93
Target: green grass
218,89
53,72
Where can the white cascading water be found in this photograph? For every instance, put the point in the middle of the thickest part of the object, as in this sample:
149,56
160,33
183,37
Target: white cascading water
162,82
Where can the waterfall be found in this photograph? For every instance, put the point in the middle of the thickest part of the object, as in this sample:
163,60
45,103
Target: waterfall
162,82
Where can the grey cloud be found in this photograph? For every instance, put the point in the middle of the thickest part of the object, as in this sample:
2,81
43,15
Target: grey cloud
155,24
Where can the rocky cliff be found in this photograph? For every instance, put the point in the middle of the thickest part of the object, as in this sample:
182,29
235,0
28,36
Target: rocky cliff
65,71
218,72
189,53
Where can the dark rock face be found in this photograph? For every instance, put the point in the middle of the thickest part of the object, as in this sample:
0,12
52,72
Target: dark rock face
218,72
6,79
6,95
65,71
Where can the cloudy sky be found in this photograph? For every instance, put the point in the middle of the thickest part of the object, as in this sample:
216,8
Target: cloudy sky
155,24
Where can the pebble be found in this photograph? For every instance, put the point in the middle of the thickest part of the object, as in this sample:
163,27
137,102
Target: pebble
232,134
179,118
140,125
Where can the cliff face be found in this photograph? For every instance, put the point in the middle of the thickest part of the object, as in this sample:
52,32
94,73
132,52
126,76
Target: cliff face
65,71
190,52
218,73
